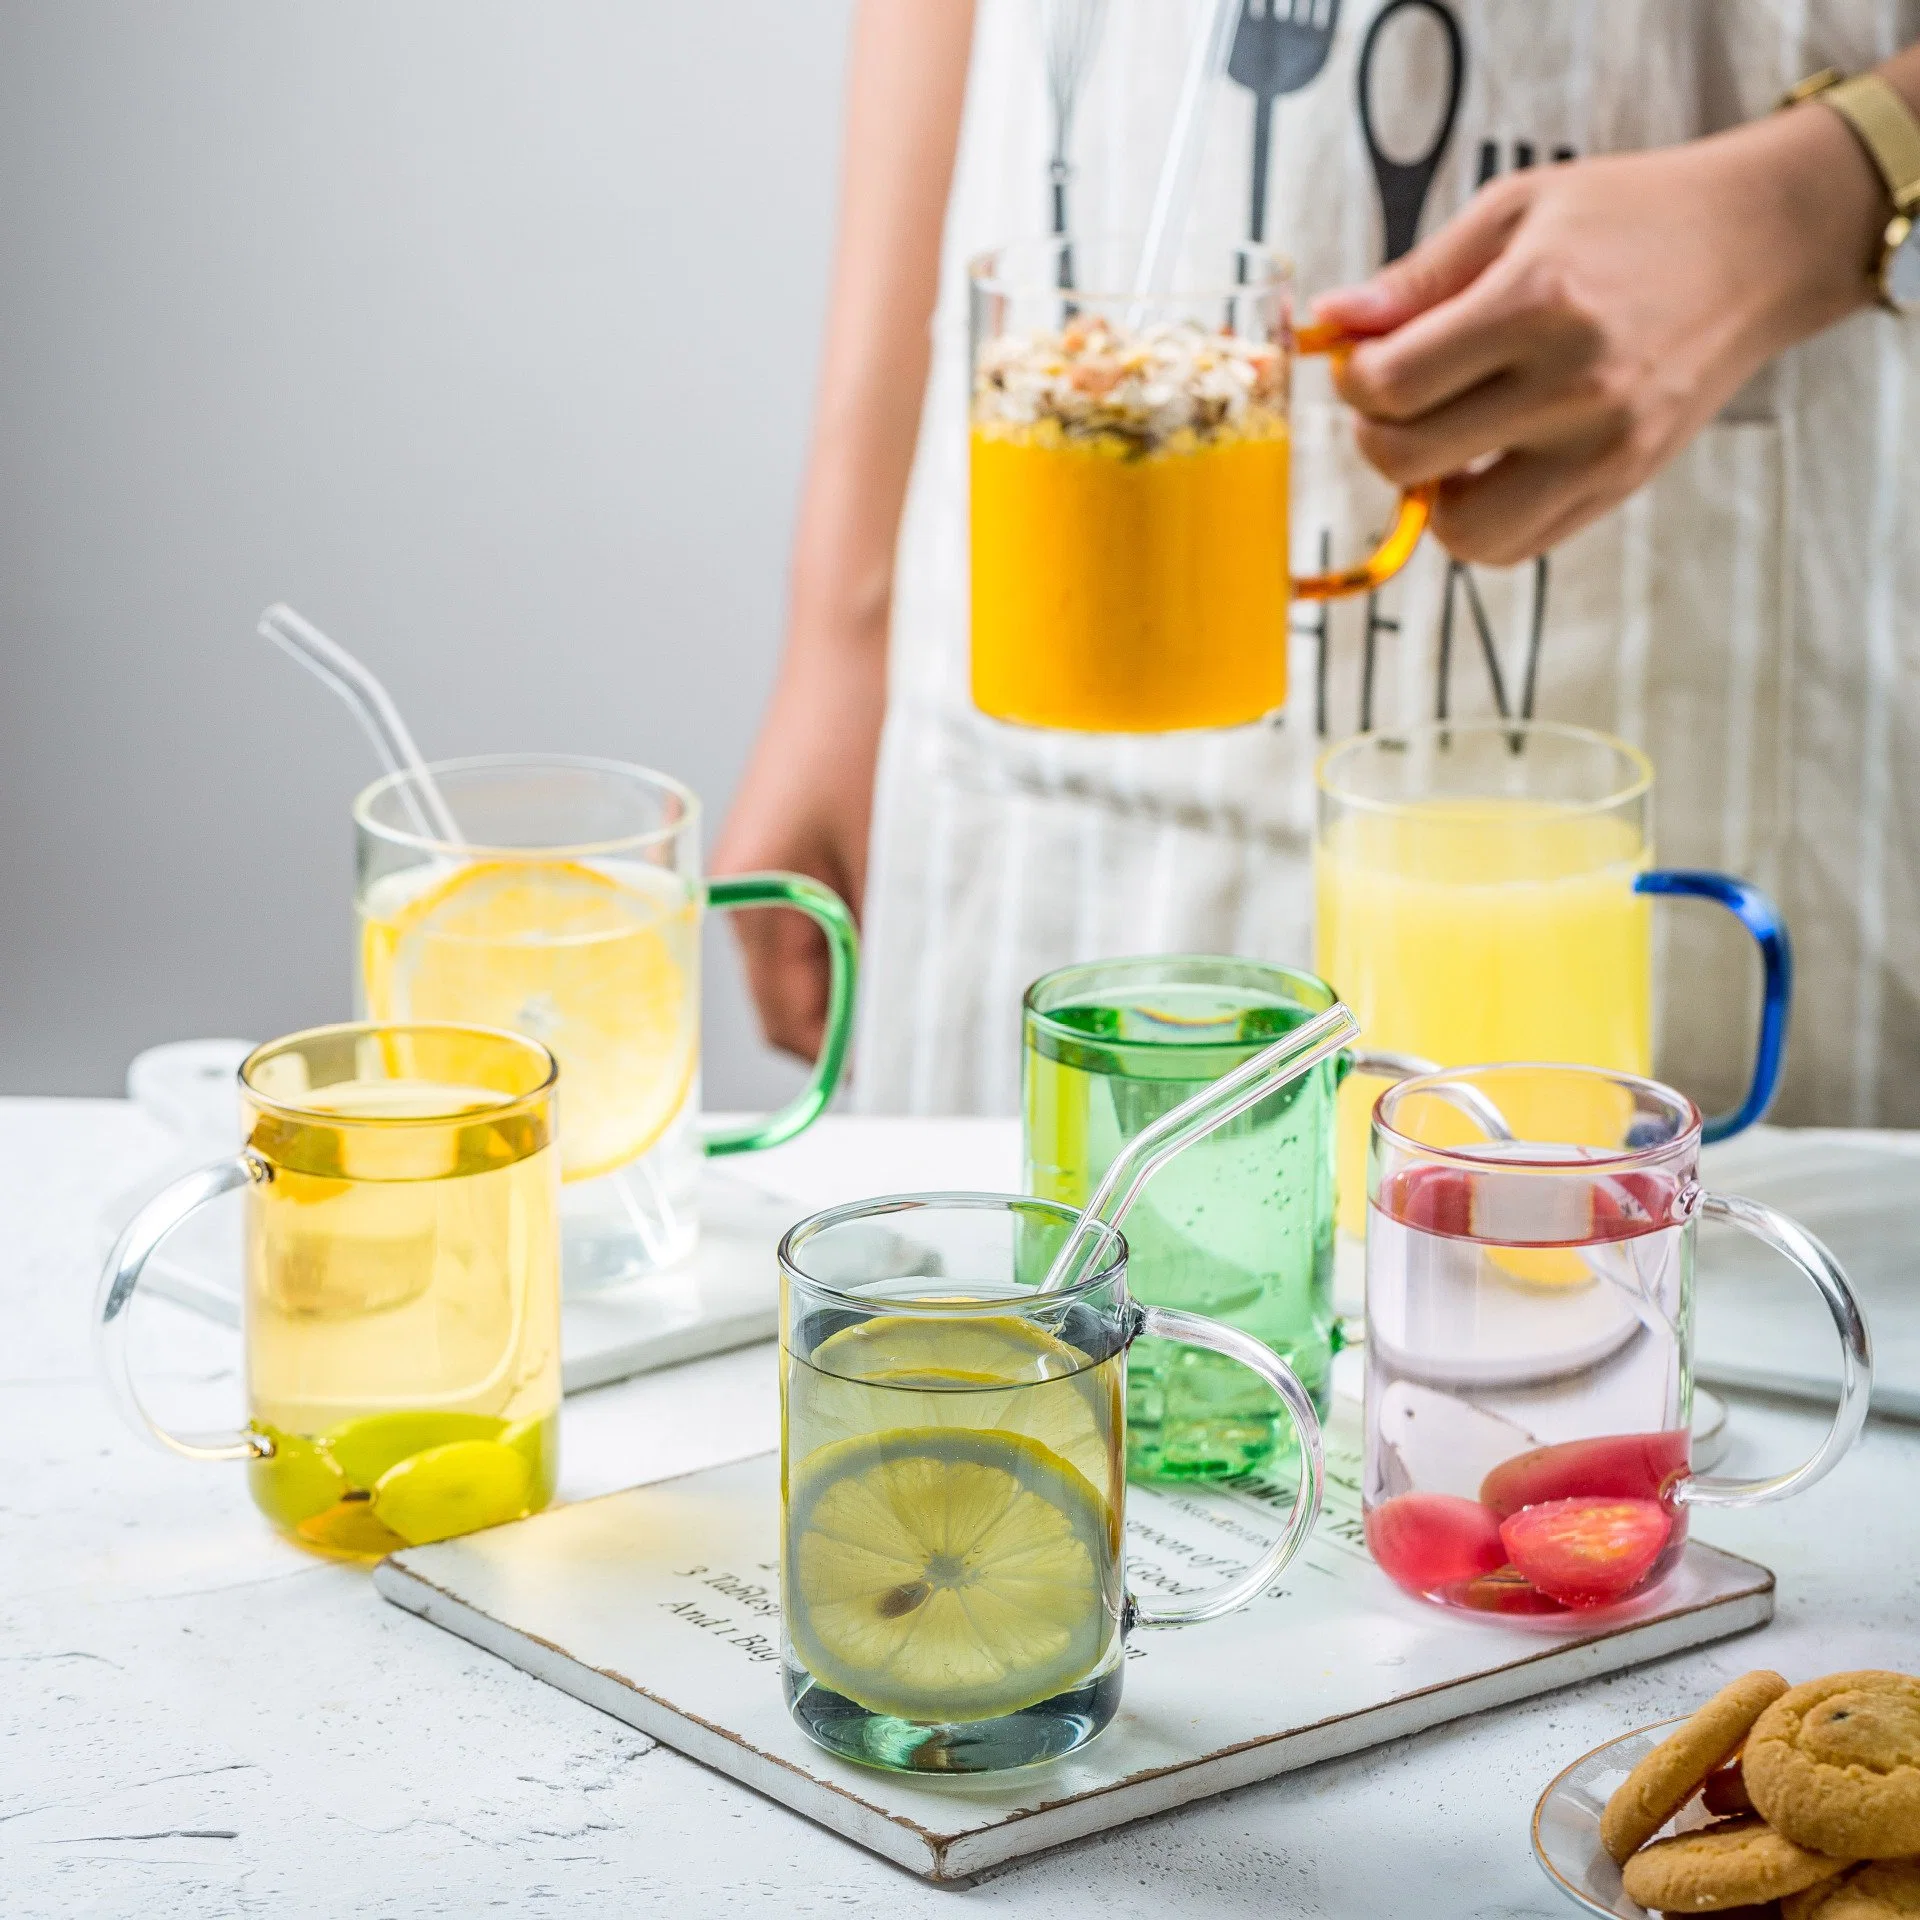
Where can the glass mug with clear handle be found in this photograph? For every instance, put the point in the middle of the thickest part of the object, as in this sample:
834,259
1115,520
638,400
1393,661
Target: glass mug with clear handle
401,1315
1530,1244
953,1481
1240,1225
1483,892
1129,459
569,909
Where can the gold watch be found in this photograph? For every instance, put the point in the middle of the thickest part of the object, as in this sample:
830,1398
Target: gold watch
1885,125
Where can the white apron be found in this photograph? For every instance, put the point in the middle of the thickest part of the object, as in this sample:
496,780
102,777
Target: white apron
1751,618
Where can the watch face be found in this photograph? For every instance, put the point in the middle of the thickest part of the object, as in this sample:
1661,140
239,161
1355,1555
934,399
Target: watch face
1900,274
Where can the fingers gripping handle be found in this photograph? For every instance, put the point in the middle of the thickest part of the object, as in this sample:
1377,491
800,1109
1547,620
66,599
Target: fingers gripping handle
1761,918
1856,1357
121,1277
1168,1323
830,913
1416,508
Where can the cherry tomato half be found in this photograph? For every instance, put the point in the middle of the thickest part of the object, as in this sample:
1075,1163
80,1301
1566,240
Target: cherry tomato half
1426,1541
1622,1466
1587,1552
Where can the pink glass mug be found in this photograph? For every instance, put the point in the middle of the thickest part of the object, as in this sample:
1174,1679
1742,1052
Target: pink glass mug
1529,1392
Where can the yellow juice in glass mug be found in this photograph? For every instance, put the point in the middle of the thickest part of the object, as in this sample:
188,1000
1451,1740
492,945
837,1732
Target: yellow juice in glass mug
1481,894
401,1314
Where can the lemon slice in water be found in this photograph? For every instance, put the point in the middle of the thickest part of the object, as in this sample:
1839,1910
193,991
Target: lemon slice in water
597,966
1053,1393
943,1575
458,1488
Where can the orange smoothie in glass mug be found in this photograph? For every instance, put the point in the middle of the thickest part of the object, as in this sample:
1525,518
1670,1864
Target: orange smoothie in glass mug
1129,479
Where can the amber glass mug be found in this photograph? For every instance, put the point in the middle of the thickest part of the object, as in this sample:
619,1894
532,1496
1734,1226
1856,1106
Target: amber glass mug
1129,483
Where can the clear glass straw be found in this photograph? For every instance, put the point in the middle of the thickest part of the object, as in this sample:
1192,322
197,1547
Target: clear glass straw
1180,169
373,707
1213,1106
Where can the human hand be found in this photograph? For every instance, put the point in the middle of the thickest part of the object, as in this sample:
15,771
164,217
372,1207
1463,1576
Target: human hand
1567,333
805,806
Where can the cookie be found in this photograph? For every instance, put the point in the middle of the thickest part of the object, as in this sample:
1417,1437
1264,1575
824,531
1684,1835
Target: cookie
1736,1863
1668,1777
1835,1765
1875,1890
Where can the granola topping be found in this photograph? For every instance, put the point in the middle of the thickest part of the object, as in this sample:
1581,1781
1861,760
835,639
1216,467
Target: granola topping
1169,384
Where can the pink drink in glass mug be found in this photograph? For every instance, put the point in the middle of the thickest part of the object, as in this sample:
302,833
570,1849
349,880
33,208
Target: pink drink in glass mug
1529,1391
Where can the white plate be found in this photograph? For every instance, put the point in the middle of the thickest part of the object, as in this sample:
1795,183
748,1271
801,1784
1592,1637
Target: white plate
1566,1823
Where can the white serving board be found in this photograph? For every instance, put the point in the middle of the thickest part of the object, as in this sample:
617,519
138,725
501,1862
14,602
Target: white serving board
660,1606
1757,1323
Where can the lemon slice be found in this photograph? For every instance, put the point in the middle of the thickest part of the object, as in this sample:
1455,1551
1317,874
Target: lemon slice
457,1488
972,1372
296,1481
940,1575
598,967
373,1445
1542,1266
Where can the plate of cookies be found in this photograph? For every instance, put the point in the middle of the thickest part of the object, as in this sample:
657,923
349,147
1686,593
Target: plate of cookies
1794,1803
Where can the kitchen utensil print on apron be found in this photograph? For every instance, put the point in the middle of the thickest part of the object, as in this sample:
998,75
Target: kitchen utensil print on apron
1279,47
1403,186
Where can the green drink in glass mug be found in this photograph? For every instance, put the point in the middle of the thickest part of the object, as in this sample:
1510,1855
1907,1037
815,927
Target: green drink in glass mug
1239,1227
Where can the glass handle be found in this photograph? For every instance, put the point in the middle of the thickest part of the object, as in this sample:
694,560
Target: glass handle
120,1277
1856,1357
830,913
1191,1329
1761,918
1416,507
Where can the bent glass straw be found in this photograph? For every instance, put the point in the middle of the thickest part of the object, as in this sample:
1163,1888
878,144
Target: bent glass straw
373,707
1213,1106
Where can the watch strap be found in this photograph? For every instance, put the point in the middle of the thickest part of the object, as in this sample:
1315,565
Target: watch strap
1884,124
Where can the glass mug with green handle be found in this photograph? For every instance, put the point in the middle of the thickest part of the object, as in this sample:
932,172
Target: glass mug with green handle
401,1315
1240,1226
569,910
1129,458
953,1486
1483,893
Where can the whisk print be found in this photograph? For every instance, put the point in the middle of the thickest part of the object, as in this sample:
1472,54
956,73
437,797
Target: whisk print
1070,30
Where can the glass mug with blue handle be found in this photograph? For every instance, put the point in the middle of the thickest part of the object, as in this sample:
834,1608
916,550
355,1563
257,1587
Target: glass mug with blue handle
1483,893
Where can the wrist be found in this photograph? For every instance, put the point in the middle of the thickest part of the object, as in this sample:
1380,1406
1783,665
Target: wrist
1819,209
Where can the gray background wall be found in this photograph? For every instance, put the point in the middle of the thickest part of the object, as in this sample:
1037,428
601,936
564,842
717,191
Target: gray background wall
482,333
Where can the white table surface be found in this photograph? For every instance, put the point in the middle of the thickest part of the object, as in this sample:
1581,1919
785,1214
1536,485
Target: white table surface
196,1719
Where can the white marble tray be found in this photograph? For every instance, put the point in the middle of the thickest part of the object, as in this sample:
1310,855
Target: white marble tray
659,1606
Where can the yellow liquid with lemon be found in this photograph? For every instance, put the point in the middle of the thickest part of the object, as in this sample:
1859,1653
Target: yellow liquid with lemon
952,1492
403,1316
1478,931
598,961
1123,590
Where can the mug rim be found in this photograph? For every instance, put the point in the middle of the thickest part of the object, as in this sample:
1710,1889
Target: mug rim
1684,1143
1636,787
986,271
366,1029
957,1200
1037,1016
628,770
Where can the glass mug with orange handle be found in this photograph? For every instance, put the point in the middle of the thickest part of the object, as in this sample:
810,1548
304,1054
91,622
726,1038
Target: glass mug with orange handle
1129,459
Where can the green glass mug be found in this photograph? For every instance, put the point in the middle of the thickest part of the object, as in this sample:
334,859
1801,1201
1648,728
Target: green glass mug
1240,1227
